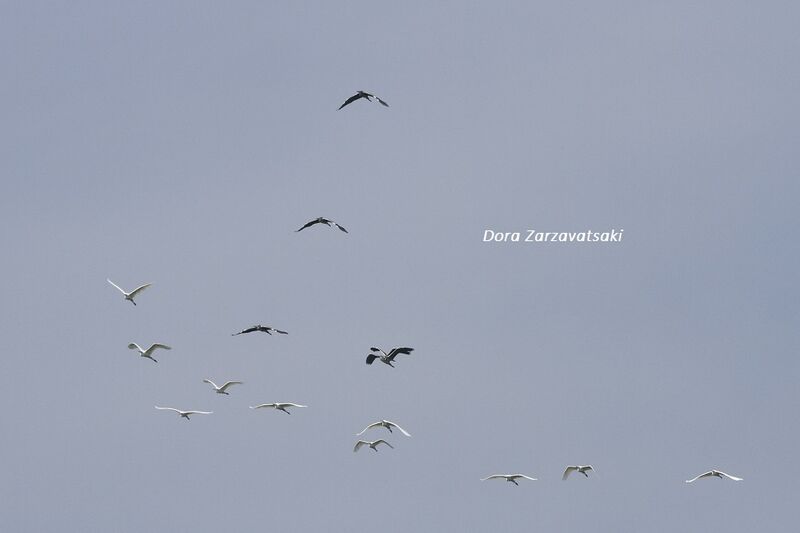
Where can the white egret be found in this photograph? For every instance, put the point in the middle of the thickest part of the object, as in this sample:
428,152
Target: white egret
185,414
148,352
582,469
278,406
222,389
387,424
714,473
373,444
511,478
130,295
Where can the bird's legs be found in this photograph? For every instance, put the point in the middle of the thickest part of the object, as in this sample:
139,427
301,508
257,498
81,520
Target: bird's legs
514,481
584,473
284,410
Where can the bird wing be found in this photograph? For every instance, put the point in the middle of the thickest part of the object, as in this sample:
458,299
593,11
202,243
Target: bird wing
198,412
210,383
382,102
586,468
359,444
134,346
374,424
292,405
403,431
352,99
248,330
139,289
706,474
370,358
308,224
494,476
155,346
568,471
262,405
340,227
169,409
394,352
524,476
120,289
731,477
229,384
383,441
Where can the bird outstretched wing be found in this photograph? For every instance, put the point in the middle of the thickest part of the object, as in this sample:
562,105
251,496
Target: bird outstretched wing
359,444
394,352
352,99
734,478
494,476
229,384
248,330
568,471
139,289
705,474
374,424
120,289
262,405
379,441
371,357
308,224
403,431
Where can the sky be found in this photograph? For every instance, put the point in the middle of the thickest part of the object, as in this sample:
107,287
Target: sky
182,143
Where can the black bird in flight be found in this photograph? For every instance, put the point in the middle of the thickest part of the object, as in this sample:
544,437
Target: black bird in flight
265,329
362,94
387,358
321,220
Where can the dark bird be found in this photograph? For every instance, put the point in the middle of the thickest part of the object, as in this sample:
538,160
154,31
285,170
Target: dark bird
387,358
266,329
321,220
362,94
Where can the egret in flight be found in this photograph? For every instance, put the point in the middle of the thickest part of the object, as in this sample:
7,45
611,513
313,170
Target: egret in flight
279,406
148,352
130,295
222,389
582,469
384,423
511,478
373,444
185,414
714,473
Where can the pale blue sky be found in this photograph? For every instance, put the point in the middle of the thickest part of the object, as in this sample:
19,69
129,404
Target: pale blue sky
182,143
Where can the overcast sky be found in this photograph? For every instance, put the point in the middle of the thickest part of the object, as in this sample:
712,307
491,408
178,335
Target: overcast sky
182,143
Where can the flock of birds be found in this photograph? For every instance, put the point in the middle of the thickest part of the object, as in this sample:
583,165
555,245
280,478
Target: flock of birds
387,358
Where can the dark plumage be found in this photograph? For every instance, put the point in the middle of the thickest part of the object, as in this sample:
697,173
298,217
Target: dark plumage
361,94
321,220
387,358
265,329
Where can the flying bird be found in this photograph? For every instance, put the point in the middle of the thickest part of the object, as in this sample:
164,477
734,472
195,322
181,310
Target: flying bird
265,329
362,94
511,478
583,469
387,424
321,220
130,295
222,389
715,473
185,414
373,444
148,352
387,358
278,406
